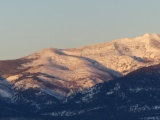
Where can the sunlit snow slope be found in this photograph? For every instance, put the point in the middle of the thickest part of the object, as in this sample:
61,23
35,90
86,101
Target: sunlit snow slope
61,72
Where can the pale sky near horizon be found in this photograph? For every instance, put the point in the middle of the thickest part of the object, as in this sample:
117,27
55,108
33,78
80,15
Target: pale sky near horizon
27,26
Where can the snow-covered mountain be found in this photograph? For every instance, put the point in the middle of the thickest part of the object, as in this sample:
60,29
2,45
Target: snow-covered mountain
52,77
61,72
124,55
134,97
54,72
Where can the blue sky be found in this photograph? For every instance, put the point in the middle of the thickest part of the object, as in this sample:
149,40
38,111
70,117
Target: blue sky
27,26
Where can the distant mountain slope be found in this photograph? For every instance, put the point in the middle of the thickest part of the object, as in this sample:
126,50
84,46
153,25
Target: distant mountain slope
62,72
54,72
124,55
115,80
134,97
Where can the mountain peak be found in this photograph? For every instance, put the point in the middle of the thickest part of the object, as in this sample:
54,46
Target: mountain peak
147,35
48,49
152,36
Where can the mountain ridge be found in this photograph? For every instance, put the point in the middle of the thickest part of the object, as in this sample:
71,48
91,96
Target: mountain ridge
61,82
134,96
72,70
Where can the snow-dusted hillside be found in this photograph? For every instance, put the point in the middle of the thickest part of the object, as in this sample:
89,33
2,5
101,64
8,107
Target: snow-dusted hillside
132,97
61,72
64,82
64,71
124,55
54,72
